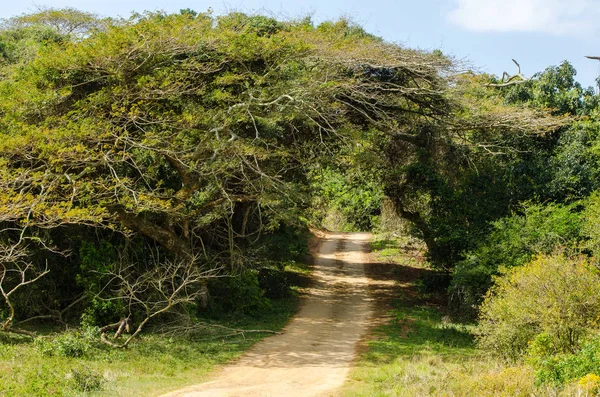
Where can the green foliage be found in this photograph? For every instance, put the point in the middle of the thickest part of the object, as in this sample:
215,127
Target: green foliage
452,193
86,380
95,263
574,165
286,244
239,294
553,296
591,224
71,344
435,281
274,283
539,229
564,368
355,196
554,88
346,28
251,24
67,22
193,133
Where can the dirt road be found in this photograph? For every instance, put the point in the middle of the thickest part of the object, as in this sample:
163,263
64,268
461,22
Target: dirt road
314,353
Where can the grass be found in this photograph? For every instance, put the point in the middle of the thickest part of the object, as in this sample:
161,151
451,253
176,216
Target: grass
75,364
420,351
149,367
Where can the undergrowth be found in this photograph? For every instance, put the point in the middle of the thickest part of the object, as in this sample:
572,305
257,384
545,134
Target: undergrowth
73,363
421,351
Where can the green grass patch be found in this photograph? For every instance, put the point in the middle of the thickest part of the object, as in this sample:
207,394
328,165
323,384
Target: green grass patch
399,250
149,367
387,249
74,364
419,331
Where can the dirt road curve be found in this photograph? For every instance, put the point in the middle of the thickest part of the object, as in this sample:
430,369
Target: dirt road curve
313,355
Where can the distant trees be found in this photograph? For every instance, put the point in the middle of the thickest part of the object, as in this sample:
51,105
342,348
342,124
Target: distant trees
540,189
67,22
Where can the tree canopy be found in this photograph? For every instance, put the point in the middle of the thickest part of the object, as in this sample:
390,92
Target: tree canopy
192,135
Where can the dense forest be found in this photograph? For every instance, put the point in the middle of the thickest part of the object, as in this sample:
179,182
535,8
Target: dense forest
161,170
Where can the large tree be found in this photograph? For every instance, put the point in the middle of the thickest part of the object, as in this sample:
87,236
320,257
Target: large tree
196,132
167,124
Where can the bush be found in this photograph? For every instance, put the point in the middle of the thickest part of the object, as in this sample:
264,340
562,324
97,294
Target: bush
97,260
591,224
274,282
541,229
68,344
239,294
565,368
434,281
555,296
589,384
85,380
286,243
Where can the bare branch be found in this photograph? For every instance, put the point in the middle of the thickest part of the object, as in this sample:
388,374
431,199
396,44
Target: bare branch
510,80
160,289
15,273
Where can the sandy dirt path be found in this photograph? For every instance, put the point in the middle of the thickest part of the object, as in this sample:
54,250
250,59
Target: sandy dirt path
313,354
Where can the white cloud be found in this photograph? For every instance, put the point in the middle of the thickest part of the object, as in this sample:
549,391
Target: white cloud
571,17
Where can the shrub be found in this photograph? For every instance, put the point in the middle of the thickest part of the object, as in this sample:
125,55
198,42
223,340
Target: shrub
541,229
239,294
286,243
556,296
68,344
434,281
591,224
274,282
85,380
565,368
590,384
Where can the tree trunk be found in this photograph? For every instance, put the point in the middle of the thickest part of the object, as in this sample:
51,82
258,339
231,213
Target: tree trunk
167,238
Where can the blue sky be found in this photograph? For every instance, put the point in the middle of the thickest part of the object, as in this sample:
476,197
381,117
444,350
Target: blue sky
485,33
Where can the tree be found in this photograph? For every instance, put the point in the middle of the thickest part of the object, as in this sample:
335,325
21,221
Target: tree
464,170
68,22
168,124
196,133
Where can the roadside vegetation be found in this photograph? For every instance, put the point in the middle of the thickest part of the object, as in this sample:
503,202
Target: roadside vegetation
75,363
421,350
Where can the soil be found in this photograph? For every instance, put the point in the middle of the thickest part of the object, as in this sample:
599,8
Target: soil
314,353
